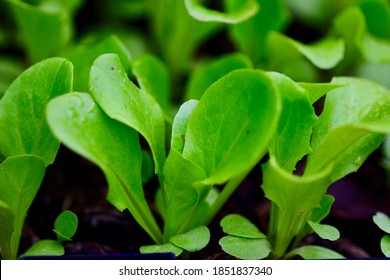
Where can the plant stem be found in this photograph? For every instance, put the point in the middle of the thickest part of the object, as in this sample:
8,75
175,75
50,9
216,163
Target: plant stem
224,195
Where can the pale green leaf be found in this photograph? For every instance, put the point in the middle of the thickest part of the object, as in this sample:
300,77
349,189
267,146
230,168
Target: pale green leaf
125,102
317,90
193,240
312,252
163,248
245,248
325,231
198,11
22,109
223,144
83,127
382,221
20,179
45,247
240,226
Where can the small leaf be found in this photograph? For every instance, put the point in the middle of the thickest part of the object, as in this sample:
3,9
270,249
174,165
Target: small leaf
385,245
317,90
123,101
382,221
192,241
196,10
65,226
164,248
325,231
244,248
20,179
312,252
209,72
22,109
223,144
237,225
45,248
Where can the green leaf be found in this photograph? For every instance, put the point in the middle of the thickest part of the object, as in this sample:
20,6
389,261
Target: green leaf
179,125
88,50
312,252
382,221
293,200
249,36
153,77
20,179
288,146
324,54
164,248
22,109
10,69
123,101
385,245
45,247
65,226
193,240
223,144
147,169
198,11
352,125
182,197
321,213
238,225
244,248
209,72
82,126
325,231
317,90
44,31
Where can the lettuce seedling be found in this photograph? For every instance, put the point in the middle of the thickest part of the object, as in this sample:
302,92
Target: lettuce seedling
210,145
383,222
354,122
26,143
65,227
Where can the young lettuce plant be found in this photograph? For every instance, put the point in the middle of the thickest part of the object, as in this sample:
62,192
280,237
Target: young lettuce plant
215,141
26,143
65,227
354,123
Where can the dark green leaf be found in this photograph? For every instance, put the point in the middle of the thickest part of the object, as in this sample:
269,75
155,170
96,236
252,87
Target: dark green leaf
83,127
237,225
123,101
22,109
244,248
